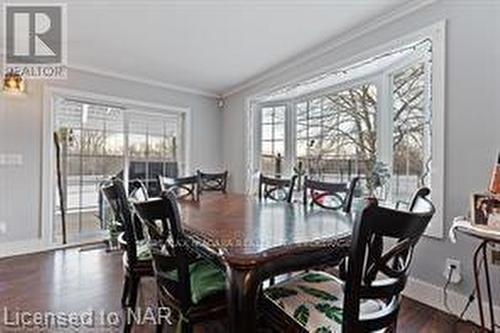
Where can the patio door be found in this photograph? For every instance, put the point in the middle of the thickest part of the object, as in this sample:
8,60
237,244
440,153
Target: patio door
99,141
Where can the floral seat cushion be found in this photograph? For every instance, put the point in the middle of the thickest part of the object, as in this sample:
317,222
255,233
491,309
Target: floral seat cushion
206,279
315,300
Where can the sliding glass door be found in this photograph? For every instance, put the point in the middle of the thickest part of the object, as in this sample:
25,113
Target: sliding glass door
99,141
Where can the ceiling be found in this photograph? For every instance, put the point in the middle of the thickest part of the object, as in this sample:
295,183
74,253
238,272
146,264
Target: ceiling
208,45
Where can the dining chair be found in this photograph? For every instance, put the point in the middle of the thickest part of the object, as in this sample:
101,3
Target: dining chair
183,187
211,181
277,189
368,299
334,196
137,259
193,286
415,199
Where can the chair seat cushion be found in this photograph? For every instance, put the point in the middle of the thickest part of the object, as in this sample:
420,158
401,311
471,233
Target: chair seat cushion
143,251
315,300
206,279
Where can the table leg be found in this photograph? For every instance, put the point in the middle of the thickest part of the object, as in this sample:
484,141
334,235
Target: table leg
488,287
477,272
242,300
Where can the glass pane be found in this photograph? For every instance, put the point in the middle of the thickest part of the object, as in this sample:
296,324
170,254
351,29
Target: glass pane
71,170
302,128
279,131
268,165
171,149
115,144
279,148
267,115
338,130
137,170
137,145
301,148
279,114
112,166
412,133
267,148
92,176
267,132
155,170
92,142
70,140
156,147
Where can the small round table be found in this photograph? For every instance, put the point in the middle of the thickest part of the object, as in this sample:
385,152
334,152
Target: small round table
486,236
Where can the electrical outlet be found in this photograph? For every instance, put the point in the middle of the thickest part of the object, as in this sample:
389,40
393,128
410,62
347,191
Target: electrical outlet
456,275
3,228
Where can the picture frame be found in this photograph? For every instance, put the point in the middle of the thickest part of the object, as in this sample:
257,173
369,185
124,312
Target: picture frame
485,210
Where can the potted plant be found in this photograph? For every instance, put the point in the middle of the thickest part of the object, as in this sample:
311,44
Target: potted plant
377,181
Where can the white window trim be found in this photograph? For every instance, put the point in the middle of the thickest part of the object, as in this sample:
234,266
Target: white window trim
48,150
437,34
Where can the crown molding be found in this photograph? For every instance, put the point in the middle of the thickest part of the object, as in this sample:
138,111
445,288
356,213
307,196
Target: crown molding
142,80
332,44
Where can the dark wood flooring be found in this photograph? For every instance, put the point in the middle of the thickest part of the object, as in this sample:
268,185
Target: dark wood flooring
91,280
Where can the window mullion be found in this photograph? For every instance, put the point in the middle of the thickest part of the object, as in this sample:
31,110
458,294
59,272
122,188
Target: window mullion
289,157
384,119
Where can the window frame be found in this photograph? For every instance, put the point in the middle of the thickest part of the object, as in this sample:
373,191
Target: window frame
383,80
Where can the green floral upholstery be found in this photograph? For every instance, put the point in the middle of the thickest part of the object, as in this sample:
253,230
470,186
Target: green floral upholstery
206,279
315,300
143,251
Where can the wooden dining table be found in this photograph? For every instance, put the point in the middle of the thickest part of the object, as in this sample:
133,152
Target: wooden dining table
255,240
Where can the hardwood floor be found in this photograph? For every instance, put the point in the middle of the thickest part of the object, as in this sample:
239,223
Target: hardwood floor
91,280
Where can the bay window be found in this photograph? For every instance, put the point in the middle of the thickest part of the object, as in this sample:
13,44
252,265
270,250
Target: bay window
381,111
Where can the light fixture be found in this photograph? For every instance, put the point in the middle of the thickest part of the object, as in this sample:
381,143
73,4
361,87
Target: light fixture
14,84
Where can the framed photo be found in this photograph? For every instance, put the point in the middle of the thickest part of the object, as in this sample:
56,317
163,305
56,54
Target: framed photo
485,210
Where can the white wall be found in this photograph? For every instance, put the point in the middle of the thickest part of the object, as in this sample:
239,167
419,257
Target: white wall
21,133
472,118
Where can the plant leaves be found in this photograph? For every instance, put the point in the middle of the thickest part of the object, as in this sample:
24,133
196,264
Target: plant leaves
302,314
319,293
323,329
280,292
316,278
331,311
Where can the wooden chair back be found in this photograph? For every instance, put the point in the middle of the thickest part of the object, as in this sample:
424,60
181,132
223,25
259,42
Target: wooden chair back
182,187
277,189
170,247
212,181
138,190
115,194
379,260
341,194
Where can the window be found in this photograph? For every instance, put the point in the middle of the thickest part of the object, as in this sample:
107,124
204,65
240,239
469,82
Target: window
273,139
100,141
384,110
412,158
336,133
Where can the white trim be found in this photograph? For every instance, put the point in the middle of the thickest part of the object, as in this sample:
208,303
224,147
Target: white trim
142,80
47,191
325,48
432,296
31,246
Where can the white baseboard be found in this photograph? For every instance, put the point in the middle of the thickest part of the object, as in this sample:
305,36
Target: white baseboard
30,246
432,296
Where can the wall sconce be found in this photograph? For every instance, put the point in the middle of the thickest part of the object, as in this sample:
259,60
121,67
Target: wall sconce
13,84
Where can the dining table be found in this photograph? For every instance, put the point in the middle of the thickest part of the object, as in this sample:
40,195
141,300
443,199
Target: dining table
255,240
